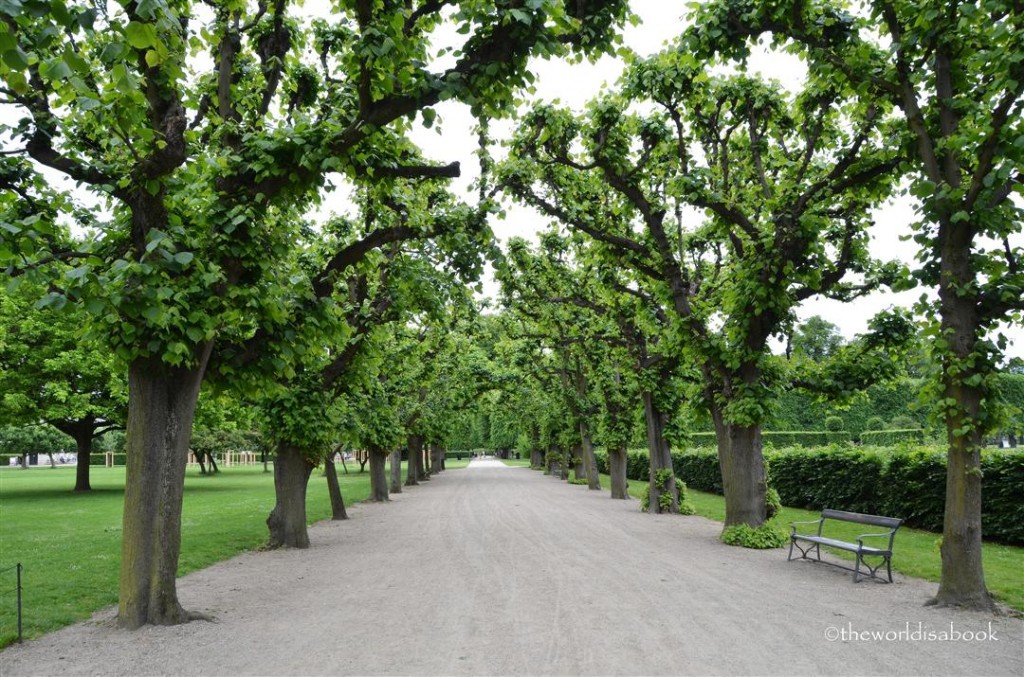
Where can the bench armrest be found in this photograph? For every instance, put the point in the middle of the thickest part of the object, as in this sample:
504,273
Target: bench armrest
890,534
792,525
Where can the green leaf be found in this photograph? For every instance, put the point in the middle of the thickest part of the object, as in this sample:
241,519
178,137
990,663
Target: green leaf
16,59
183,258
140,35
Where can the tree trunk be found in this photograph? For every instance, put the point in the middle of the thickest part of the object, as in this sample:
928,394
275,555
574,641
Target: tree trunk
338,511
741,462
661,457
161,406
425,463
415,449
378,478
617,470
536,457
439,454
287,521
396,471
962,582
83,444
589,459
578,471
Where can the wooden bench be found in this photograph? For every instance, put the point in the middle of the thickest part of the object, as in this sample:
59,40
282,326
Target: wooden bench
815,541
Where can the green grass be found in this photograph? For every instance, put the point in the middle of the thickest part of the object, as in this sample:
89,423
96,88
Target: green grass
70,544
915,552
517,463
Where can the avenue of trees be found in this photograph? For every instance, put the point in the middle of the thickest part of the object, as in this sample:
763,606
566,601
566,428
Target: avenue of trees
163,161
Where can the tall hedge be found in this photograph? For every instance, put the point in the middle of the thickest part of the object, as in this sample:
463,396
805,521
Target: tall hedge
782,438
902,482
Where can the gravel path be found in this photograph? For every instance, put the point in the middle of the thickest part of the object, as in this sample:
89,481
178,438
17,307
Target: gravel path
503,571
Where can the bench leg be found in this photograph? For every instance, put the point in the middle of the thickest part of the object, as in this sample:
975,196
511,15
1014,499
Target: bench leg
888,568
856,570
791,542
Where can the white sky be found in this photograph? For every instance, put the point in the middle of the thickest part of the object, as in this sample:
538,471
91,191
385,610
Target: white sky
575,84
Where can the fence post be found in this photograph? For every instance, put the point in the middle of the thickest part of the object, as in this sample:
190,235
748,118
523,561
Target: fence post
19,602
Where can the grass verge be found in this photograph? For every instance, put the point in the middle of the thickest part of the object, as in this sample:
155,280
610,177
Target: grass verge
915,552
70,544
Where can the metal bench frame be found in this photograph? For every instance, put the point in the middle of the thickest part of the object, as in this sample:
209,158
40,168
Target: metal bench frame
815,541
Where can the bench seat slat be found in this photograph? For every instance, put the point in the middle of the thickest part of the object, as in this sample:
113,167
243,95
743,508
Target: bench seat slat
842,545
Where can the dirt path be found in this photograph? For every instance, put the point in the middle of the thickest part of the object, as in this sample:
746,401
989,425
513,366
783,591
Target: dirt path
503,571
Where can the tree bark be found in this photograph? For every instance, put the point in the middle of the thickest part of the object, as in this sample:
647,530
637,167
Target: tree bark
378,478
396,471
161,407
962,582
437,452
425,461
414,445
83,445
660,456
578,470
589,459
741,461
536,457
338,511
287,521
617,470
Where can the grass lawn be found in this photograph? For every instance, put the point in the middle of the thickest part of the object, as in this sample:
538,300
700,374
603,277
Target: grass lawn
70,544
915,552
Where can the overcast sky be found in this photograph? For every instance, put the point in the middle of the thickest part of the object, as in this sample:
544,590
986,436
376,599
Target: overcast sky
575,84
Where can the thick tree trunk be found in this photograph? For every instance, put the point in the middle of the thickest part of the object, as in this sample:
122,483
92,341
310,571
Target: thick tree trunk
338,511
161,406
395,459
536,457
83,444
439,454
287,521
578,470
378,478
617,470
962,582
589,459
413,470
661,457
741,462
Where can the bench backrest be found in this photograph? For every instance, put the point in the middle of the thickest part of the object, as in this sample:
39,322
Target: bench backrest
860,518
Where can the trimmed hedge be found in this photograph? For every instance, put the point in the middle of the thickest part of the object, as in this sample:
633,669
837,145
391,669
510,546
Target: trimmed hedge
782,438
907,483
903,482
884,438
100,458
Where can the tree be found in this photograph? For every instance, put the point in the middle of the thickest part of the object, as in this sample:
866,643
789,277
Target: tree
780,188
200,169
815,339
55,371
955,72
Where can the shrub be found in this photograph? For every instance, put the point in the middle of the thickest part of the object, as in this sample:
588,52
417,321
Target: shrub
762,538
902,423
685,507
834,423
875,423
883,438
781,438
773,504
1002,510
699,469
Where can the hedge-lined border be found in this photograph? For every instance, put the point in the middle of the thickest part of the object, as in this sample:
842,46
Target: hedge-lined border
904,482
